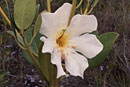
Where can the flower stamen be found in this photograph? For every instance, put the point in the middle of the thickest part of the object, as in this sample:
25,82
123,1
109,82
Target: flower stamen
62,39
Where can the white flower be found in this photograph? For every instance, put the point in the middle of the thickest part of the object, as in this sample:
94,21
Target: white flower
63,42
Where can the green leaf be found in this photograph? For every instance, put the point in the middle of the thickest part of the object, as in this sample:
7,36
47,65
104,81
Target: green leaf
34,46
37,10
25,54
107,40
19,38
37,25
36,40
46,66
95,33
24,13
95,3
27,57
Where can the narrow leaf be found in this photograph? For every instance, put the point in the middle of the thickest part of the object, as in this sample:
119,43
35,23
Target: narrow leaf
37,10
17,36
95,3
27,57
37,25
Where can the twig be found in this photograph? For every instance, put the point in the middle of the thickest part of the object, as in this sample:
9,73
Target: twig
86,10
4,15
48,6
79,4
72,11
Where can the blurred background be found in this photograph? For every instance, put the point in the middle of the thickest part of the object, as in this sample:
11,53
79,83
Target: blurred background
112,15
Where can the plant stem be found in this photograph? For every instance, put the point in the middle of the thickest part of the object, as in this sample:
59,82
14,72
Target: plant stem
8,21
26,45
93,5
79,4
86,10
72,11
33,58
30,53
48,6
4,15
90,10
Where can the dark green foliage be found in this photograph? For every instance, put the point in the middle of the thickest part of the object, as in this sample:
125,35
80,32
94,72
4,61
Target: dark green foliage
107,40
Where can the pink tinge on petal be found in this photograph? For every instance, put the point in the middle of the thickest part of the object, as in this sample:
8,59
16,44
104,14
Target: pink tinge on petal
56,59
87,44
75,63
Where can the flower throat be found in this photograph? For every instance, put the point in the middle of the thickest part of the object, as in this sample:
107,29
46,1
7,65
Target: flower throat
62,39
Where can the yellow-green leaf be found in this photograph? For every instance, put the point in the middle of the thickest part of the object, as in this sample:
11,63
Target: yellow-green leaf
24,13
37,25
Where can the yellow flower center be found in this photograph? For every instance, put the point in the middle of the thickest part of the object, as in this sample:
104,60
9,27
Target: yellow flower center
62,40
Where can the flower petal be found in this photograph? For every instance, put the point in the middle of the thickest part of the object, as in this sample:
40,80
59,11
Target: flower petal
81,24
49,24
76,64
88,44
63,14
56,59
48,45
55,22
